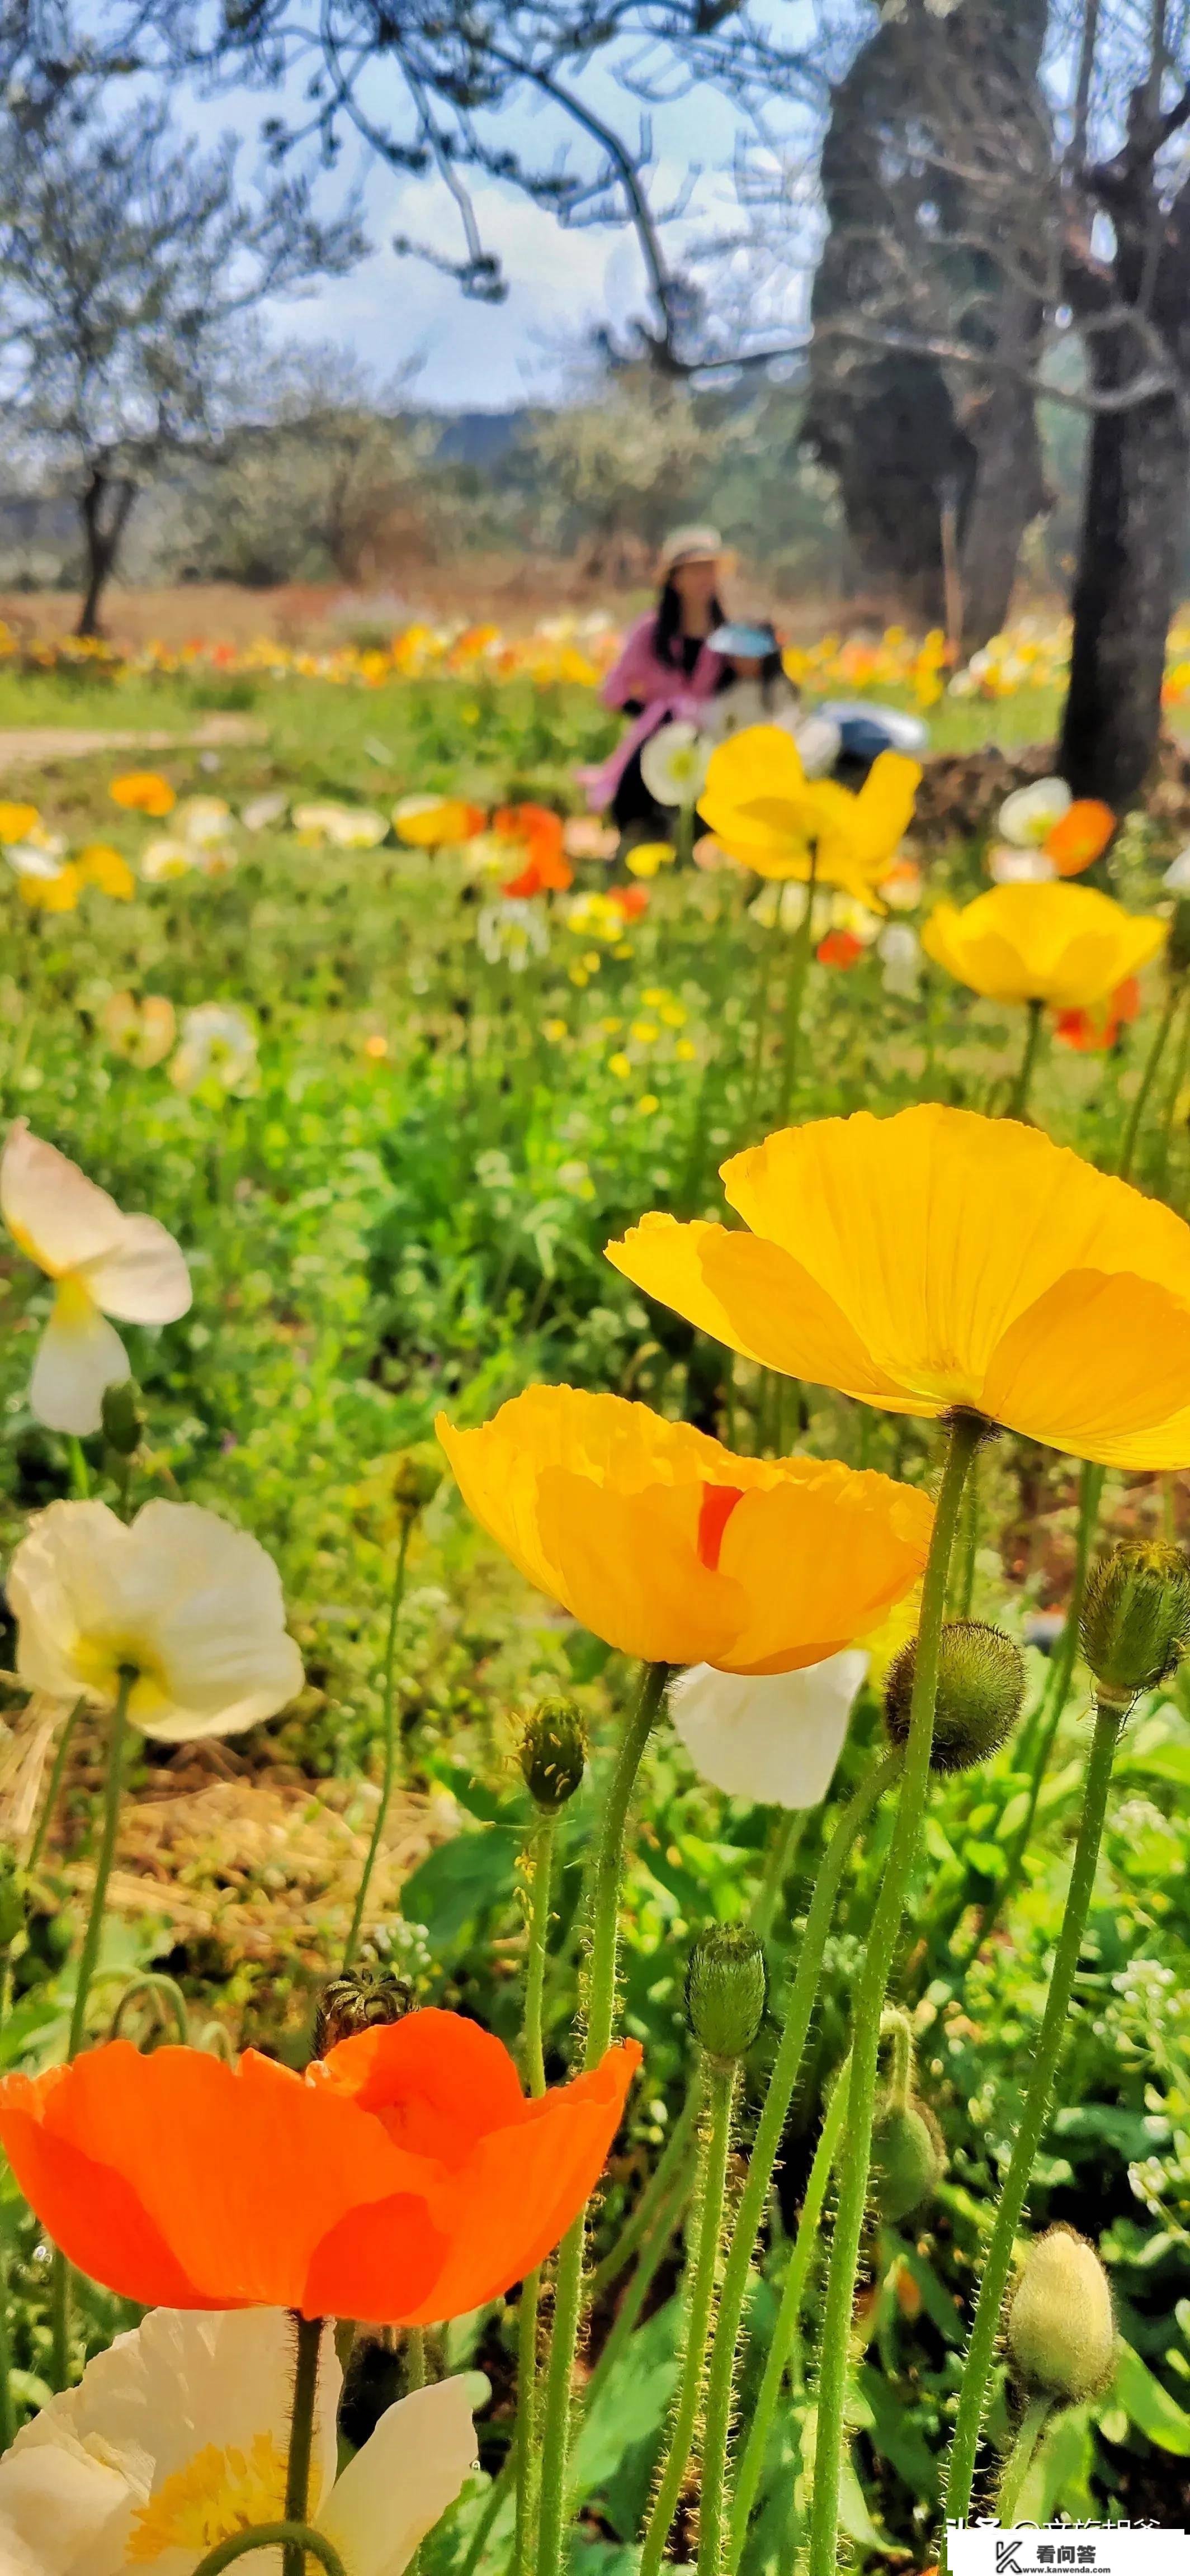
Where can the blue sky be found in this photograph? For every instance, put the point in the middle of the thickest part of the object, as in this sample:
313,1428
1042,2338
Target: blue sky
393,311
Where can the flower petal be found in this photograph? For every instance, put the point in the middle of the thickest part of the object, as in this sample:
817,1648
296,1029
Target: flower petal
772,1737
143,1278
400,2483
56,1214
79,1354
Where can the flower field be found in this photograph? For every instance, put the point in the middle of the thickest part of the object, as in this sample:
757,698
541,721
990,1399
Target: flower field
543,1674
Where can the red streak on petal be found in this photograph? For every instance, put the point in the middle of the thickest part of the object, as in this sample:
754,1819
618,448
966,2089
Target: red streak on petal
718,1504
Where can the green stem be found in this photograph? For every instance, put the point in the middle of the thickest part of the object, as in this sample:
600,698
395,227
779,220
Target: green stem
1033,2423
103,1865
390,1741
969,1545
769,2131
295,2538
601,2008
301,2437
497,2496
80,1474
415,2358
1054,1701
1019,1097
721,2087
54,1791
1181,1060
981,2349
1147,1079
657,2191
966,1431
795,994
805,2247
168,1997
787,1833
652,2256
764,973
8,2420
534,2053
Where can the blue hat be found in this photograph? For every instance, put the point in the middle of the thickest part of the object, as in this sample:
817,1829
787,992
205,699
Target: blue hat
752,643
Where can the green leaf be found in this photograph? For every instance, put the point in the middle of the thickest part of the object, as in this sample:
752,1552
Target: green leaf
1161,1762
1059,2474
1149,2405
897,2438
463,1878
623,2428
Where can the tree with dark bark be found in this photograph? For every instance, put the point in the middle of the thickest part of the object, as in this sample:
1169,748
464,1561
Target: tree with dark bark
939,479
130,264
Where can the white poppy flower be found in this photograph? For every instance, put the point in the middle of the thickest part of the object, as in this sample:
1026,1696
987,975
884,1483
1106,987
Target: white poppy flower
774,1737
261,812
192,1606
202,821
357,828
1028,816
673,764
178,2436
819,743
43,857
1177,874
165,858
101,1262
512,932
218,1044
1009,866
899,949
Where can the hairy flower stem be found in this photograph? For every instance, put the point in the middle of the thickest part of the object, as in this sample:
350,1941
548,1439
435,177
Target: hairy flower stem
54,1791
301,2433
789,1828
785,2332
60,2270
1176,1088
721,2091
388,1774
966,1431
1020,2459
770,2127
795,995
1053,1704
534,2056
606,1882
1148,1078
1018,1105
296,2536
981,2349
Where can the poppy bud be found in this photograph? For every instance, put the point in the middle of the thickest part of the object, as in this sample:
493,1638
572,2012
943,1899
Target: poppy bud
908,2157
1061,2330
981,1684
553,1753
1177,947
12,1900
363,2000
1136,1618
726,1990
416,1475
122,1418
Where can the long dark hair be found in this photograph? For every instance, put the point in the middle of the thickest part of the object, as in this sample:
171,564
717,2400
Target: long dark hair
669,625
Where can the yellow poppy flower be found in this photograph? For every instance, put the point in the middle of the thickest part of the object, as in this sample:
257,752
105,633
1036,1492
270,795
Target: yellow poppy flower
58,892
102,866
664,1544
939,1259
16,821
760,804
1066,945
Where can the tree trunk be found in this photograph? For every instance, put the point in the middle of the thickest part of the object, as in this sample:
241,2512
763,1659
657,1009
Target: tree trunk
1129,559
103,531
1008,488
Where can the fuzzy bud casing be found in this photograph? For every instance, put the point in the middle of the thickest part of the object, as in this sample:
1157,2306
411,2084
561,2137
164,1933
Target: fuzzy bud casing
415,1477
553,1753
981,1686
363,1999
908,2157
1061,2329
1178,945
1135,1625
122,1419
726,1991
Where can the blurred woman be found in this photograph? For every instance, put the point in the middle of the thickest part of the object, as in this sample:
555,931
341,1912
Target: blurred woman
667,667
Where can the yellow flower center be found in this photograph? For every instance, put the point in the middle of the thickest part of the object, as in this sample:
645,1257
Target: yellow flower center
217,2494
100,1659
74,1304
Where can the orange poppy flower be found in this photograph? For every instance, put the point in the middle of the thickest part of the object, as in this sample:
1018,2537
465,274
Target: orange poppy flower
403,2180
631,901
1095,1032
533,829
1081,836
668,1547
839,948
142,791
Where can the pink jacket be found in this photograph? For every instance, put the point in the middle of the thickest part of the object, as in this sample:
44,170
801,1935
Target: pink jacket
639,673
